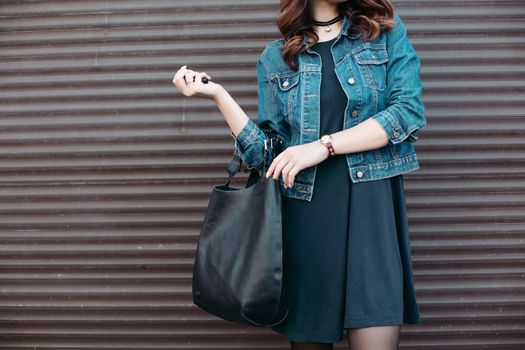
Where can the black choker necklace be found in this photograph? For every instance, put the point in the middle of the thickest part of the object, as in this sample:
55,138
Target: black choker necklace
327,23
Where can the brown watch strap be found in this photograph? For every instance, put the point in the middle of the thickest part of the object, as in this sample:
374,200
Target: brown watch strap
331,150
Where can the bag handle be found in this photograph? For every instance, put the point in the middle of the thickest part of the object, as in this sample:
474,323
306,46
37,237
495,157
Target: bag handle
271,144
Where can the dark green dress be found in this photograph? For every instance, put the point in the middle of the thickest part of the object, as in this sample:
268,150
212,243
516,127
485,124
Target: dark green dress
347,260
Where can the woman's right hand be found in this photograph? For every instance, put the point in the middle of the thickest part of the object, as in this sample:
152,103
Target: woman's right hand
190,83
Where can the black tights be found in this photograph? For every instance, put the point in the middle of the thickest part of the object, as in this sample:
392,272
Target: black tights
368,338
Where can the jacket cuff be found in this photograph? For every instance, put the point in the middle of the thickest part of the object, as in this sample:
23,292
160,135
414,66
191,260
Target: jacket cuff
395,132
246,135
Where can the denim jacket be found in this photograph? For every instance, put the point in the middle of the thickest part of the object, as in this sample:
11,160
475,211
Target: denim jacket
381,79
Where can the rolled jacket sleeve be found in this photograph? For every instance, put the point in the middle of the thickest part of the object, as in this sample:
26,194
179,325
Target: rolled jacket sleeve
404,116
250,140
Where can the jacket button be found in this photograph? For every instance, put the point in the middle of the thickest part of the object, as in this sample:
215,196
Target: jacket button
359,174
396,134
351,80
285,84
354,114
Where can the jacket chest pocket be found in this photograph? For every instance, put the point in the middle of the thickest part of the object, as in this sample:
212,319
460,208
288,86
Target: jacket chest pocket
372,63
286,89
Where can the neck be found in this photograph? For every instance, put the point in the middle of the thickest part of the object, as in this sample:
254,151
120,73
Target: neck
323,11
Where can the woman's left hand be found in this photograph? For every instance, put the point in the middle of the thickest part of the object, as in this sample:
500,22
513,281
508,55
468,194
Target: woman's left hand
296,158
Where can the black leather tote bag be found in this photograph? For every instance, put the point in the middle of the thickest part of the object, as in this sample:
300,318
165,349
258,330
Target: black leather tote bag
237,274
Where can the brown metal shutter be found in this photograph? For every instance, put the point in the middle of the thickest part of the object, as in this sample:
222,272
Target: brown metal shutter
105,171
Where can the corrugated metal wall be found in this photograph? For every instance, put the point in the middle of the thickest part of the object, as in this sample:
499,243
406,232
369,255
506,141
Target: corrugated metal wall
105,170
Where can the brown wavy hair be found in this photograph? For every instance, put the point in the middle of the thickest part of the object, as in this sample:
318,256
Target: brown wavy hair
294,21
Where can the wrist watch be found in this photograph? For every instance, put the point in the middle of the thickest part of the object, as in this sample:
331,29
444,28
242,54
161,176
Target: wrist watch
327,141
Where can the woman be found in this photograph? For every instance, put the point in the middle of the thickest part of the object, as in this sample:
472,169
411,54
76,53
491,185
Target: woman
342,90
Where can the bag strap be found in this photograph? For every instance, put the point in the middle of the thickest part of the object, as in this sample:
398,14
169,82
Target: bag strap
271,144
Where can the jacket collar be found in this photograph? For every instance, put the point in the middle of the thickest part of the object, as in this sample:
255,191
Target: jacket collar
345,30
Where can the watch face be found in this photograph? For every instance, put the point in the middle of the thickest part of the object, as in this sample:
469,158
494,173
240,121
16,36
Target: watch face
325,138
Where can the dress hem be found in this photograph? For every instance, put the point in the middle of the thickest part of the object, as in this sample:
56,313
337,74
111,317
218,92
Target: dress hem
389,320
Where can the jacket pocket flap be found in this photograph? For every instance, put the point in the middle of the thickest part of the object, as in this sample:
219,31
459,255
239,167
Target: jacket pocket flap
286,82
371,56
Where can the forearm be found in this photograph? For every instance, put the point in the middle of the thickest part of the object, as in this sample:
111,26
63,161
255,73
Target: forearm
231,111
249,137
366,135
